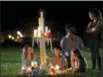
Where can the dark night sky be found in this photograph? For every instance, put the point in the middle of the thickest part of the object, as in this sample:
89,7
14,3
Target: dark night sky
15,14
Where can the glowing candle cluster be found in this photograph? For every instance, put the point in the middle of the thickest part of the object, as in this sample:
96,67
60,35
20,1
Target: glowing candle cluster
54,69
34,64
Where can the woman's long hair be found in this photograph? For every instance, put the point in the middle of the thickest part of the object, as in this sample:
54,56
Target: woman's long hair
83,63
78,53
26,49
97,13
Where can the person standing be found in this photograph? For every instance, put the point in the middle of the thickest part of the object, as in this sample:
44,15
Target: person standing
94,36
69,42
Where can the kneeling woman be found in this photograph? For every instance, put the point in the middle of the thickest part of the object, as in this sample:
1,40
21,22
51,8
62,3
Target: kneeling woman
27,55
27,58
78,63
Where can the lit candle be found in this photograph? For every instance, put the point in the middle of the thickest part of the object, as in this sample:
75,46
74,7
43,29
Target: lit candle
23,68
34,64
57,67
35,32
29,69
39,32
41,21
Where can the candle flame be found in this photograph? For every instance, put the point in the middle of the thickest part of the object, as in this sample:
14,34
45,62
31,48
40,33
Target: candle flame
23,68
57,67
29,69
34,63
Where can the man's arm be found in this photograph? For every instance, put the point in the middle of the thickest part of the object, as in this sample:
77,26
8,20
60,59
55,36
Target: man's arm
88,27
62,42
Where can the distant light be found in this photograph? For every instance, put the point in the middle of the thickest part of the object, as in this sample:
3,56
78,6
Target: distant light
18,37
20,34
9,36
12,38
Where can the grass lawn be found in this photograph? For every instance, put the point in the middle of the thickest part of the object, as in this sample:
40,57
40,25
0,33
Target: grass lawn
11,63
